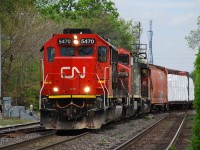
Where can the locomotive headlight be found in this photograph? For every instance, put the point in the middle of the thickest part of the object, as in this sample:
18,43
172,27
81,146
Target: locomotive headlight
75,37
76,42
55,89
87,89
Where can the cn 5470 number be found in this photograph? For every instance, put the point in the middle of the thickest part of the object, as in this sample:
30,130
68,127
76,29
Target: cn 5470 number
64,41
87,41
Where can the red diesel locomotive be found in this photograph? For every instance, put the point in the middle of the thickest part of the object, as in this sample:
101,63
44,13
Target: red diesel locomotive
87,82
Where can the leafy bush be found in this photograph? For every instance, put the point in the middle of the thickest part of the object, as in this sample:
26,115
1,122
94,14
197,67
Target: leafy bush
196,125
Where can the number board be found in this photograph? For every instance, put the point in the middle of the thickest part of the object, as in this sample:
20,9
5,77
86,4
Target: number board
64,41
87,41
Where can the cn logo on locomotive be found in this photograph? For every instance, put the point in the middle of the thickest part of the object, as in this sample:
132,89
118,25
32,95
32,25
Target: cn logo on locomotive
73,69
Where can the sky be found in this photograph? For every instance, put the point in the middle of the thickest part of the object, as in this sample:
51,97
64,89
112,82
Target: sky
172,21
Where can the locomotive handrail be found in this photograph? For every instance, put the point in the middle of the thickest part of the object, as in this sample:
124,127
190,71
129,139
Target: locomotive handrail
41,91
105,85
104,100
42,83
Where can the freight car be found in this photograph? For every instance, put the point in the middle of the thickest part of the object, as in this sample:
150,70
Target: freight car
170,89
87,82
180,89
158,87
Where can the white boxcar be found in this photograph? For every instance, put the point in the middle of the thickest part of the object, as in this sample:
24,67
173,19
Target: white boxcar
177,88
191,90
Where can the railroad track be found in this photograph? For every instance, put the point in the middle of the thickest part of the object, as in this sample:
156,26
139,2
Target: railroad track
28,127
161,135
49,140
183,140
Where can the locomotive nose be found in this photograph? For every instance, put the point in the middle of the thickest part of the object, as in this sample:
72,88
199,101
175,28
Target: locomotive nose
76,76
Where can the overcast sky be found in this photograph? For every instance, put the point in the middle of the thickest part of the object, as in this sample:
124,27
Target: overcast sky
172,21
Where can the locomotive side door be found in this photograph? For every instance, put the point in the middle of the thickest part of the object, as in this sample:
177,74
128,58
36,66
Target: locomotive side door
114,63
145,83
102,69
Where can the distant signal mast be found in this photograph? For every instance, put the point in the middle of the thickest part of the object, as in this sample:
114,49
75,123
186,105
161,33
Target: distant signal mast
150,35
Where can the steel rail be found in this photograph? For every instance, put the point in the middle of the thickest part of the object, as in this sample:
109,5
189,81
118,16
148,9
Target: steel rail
19,127
63,141
176,136
17,145
138,136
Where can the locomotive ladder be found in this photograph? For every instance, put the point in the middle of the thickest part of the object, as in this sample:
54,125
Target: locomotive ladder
104,88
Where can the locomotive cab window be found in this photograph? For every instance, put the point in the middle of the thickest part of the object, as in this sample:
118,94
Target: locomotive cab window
85,51
67,51
144,73
102,54
50,54
114,55
124,59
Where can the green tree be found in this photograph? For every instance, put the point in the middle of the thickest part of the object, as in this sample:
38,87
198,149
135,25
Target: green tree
194,38
192,74
62,9
23,33
194,42
196,127
57,10
119,31
25,30
95,8
99,15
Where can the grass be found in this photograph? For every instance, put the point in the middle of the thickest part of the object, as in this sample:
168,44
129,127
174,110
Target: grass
148,117
131,124
172,147
121,136
103,141
5,122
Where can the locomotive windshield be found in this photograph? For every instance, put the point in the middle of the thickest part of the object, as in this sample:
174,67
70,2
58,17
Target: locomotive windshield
50,54
124,59
102,53
85,51
67,51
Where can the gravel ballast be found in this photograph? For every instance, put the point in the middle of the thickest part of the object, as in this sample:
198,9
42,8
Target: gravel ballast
111,135
106,138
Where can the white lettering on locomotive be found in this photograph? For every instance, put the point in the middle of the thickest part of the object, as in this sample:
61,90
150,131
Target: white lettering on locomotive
73,69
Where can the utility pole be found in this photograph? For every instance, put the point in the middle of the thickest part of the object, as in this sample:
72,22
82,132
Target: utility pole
150,35
139,49
137,32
